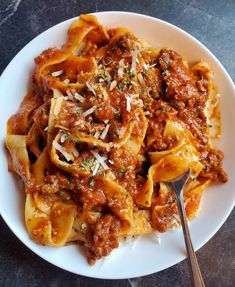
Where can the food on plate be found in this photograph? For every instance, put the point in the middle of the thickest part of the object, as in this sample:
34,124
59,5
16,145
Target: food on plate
108,120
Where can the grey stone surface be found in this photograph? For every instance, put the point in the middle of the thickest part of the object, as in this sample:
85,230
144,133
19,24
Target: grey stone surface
213,23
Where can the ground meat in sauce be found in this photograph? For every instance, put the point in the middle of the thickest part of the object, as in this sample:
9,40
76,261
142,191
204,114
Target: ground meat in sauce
104,237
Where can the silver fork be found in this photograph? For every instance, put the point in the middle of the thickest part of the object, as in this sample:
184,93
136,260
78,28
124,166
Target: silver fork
177,185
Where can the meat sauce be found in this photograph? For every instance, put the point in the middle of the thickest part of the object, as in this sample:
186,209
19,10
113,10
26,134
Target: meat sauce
171,91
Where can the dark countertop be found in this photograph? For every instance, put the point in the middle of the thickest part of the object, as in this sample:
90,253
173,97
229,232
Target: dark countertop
210,21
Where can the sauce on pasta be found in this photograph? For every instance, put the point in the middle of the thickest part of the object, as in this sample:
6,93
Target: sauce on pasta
108,120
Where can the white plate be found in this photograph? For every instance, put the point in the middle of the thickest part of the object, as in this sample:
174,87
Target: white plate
147,256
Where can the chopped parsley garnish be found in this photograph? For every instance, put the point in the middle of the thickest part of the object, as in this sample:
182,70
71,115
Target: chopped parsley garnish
121,87
104,74
62,193
166,73
87,163
121,170
91,182
64,136
95,79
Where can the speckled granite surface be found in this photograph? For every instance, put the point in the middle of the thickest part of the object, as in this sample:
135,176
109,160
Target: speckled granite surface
210,21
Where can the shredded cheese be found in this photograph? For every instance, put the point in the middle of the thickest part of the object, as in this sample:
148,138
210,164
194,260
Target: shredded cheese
97,134
89,111
112,85
105,132
58,106
141,79
99,159
79,97
66,81
90,88
96,168
133,83
153,65
133,62
121,68
57,73
134,55
128,103
69,94
58,147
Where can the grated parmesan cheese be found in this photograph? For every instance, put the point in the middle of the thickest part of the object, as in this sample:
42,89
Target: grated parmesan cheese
99,159
57,73
133,83
128,103
58,147
58,106
96,168
105,132
66,81
79,97
112,85
134,55
89,111
133,62
97,134
69,94
90,88
141,79
120,68
153,65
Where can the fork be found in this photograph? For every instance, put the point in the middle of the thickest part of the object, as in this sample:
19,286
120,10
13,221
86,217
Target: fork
177,185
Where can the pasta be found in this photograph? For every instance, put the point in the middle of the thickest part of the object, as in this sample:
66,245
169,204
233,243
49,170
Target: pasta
108,121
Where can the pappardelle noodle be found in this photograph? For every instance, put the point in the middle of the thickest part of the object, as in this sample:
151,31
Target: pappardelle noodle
108,120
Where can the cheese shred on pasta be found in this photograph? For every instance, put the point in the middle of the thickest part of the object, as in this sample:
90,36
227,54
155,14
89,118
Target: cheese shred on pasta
108,121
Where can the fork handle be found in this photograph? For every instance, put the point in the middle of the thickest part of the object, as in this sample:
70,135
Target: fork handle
195,272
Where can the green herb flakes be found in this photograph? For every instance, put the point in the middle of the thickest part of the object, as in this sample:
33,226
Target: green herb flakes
121,170
166,73
91,182
87,163
121,87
